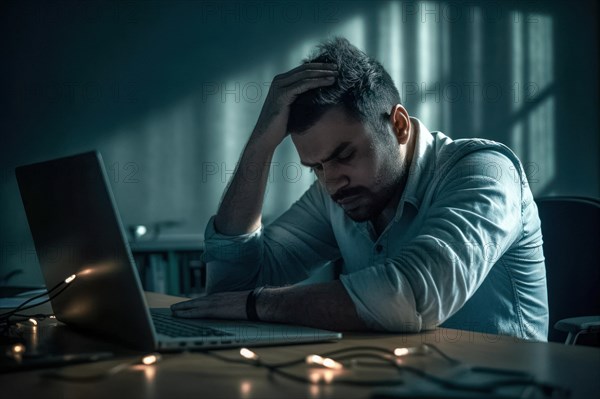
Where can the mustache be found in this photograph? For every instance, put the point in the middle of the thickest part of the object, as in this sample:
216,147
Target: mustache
347,192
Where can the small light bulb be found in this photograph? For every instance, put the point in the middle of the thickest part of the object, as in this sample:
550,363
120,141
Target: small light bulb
325,362
151,359
140,230
418,350
18,349
332,364
401,351
33,321
248,354
314,359
70,278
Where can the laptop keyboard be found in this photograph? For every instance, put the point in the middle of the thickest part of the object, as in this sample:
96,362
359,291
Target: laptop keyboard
172,327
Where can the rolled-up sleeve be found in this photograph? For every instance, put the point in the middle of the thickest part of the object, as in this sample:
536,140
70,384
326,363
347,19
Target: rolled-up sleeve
468,222
232,261
283,252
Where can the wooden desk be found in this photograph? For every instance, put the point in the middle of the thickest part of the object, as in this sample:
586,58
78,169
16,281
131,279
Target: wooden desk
198,375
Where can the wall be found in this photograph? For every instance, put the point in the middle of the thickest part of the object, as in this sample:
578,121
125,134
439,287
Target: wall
169,92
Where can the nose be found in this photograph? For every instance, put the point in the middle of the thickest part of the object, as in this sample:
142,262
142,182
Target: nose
334,179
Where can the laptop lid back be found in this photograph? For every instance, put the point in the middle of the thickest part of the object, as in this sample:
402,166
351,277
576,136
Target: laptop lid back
77,230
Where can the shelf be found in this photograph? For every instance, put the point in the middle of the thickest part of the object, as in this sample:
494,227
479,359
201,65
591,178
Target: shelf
170,266
167,246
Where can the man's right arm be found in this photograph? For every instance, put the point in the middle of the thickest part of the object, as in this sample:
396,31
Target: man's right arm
241,208
238,255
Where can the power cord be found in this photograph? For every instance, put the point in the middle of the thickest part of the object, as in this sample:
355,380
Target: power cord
60,288
348,357
387,358
383,357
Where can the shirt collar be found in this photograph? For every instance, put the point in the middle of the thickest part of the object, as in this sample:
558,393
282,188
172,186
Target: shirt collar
422,161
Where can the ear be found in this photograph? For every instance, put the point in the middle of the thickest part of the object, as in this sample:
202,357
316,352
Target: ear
400,123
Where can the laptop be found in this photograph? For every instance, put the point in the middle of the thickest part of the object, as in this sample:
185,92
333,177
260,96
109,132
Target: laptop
77,230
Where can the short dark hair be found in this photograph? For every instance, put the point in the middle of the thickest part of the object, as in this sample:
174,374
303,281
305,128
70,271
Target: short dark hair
363,88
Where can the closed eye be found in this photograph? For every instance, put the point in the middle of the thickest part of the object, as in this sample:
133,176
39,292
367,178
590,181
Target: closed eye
346,157
339,158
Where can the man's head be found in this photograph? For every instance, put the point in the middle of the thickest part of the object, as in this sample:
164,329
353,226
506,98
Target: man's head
363,88
354,133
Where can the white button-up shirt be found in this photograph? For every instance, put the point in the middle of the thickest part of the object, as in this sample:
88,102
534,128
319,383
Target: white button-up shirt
464,249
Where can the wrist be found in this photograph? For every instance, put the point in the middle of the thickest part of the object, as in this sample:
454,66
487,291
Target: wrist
251,304
265,140
266,303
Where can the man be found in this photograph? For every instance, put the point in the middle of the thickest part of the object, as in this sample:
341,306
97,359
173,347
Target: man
430,230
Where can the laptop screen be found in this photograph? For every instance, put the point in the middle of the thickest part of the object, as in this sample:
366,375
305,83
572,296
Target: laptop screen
76,229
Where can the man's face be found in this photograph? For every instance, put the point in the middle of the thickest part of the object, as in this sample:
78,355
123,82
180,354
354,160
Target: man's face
360,170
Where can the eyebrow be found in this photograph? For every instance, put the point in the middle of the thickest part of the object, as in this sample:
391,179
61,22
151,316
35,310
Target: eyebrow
334,154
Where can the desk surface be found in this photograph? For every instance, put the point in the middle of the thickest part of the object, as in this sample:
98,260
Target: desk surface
198,375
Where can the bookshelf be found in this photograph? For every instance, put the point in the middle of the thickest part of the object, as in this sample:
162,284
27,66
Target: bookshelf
172,267
175,267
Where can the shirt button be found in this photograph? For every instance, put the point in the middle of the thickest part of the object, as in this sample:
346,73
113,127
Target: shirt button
379,248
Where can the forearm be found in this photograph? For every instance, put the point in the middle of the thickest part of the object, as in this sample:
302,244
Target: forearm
241,208
326,305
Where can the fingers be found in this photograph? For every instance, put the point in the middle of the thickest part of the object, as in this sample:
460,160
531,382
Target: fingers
303,78
309,84
222,305
185,305
310,65
195,308
307,74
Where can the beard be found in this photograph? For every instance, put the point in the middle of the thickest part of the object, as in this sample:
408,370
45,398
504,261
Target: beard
367,205
362,204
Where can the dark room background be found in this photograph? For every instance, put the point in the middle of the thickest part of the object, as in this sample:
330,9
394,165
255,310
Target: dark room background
169,91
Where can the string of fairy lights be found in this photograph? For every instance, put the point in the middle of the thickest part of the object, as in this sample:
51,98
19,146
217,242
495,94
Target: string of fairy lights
5,318
339,365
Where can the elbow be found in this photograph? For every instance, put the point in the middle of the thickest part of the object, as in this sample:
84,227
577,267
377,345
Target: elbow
384,306
408,324
395,317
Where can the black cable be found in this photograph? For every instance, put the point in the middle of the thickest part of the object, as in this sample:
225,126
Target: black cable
5,316
442,354
277,369
519,378
21,306
38,316
384,356
340,381
338,352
